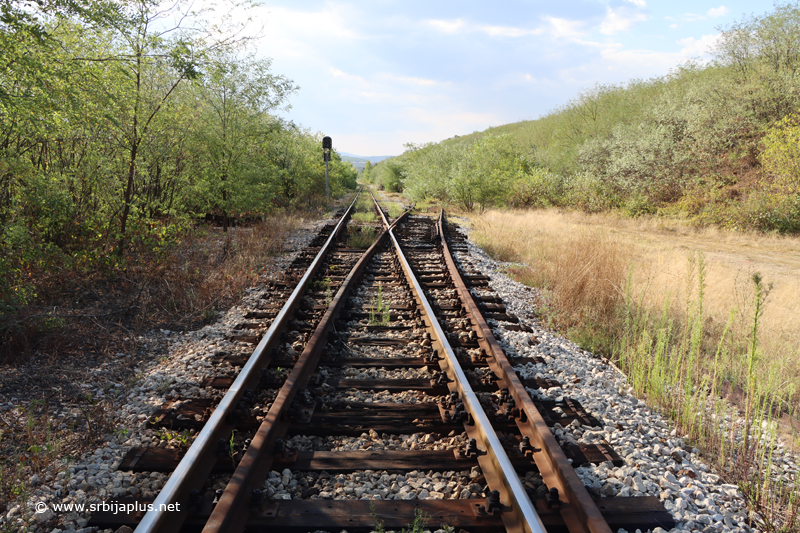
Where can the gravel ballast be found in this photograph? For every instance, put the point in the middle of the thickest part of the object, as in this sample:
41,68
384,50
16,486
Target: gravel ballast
658,462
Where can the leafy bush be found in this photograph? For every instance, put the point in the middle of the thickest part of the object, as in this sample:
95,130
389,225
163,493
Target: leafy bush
538,188
781,152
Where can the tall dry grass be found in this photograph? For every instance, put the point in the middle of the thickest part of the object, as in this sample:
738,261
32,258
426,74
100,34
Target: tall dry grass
690,316
209,270
587,258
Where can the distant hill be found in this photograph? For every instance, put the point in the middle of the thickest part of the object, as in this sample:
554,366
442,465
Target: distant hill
359,161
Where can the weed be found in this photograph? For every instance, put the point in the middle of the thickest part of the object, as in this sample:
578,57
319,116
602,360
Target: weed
97,415
417,526
232,445
679,347
365,217
379,312
361,237
164,384
208,314
394,209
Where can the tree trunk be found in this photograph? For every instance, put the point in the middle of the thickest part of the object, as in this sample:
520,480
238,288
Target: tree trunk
128,194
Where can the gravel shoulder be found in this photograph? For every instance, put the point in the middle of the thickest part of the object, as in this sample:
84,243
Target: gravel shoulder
658,462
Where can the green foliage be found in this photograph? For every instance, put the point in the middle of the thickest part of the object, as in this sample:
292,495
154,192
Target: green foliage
781,152
688,143
379,313
367,175
114,134
538,188
473,176
391,176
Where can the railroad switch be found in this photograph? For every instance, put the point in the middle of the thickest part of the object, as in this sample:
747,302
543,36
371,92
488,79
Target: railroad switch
551,499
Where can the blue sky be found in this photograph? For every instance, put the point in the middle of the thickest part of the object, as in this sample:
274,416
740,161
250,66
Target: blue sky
377,74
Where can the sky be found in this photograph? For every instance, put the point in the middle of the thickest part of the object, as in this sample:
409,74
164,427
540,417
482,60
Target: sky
377,74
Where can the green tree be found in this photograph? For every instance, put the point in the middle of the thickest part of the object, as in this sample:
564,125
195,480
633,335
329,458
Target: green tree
239,95
157,55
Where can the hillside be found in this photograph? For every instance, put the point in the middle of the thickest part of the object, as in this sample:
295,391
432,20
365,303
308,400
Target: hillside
716,143
360,162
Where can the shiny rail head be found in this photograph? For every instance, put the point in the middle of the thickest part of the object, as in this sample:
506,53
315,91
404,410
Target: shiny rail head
176,488
517,494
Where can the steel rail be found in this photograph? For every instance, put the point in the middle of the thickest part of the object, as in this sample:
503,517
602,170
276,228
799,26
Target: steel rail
513,492
231,512
583,514
196,465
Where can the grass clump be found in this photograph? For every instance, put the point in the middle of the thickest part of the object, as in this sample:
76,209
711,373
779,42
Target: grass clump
705,365
364,217
361,237
379,313
394,209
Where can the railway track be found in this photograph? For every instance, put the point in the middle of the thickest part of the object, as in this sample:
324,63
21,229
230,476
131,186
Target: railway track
376,394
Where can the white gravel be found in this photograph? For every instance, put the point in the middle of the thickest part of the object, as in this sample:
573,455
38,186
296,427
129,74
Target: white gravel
658,461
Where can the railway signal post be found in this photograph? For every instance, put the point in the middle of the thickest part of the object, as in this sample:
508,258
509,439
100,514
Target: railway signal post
327,146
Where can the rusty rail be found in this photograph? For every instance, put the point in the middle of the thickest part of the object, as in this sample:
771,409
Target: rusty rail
198,462
582,514
497,468
232,511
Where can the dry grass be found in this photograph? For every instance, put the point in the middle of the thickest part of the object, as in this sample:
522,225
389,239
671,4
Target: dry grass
657,251
688,318
93,315
176,287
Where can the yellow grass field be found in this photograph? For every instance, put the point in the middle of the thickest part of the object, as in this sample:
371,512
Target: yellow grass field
564,246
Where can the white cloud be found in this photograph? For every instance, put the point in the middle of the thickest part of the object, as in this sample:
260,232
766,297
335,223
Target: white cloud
692,17
673,26
345,76
715,12
446,26
617,58
638,3
619,20
508,31
697,47
563,28
416,81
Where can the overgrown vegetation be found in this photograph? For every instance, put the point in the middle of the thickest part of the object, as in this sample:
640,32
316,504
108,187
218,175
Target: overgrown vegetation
363,234
178,285
380,309
722,374
121,124
716,143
